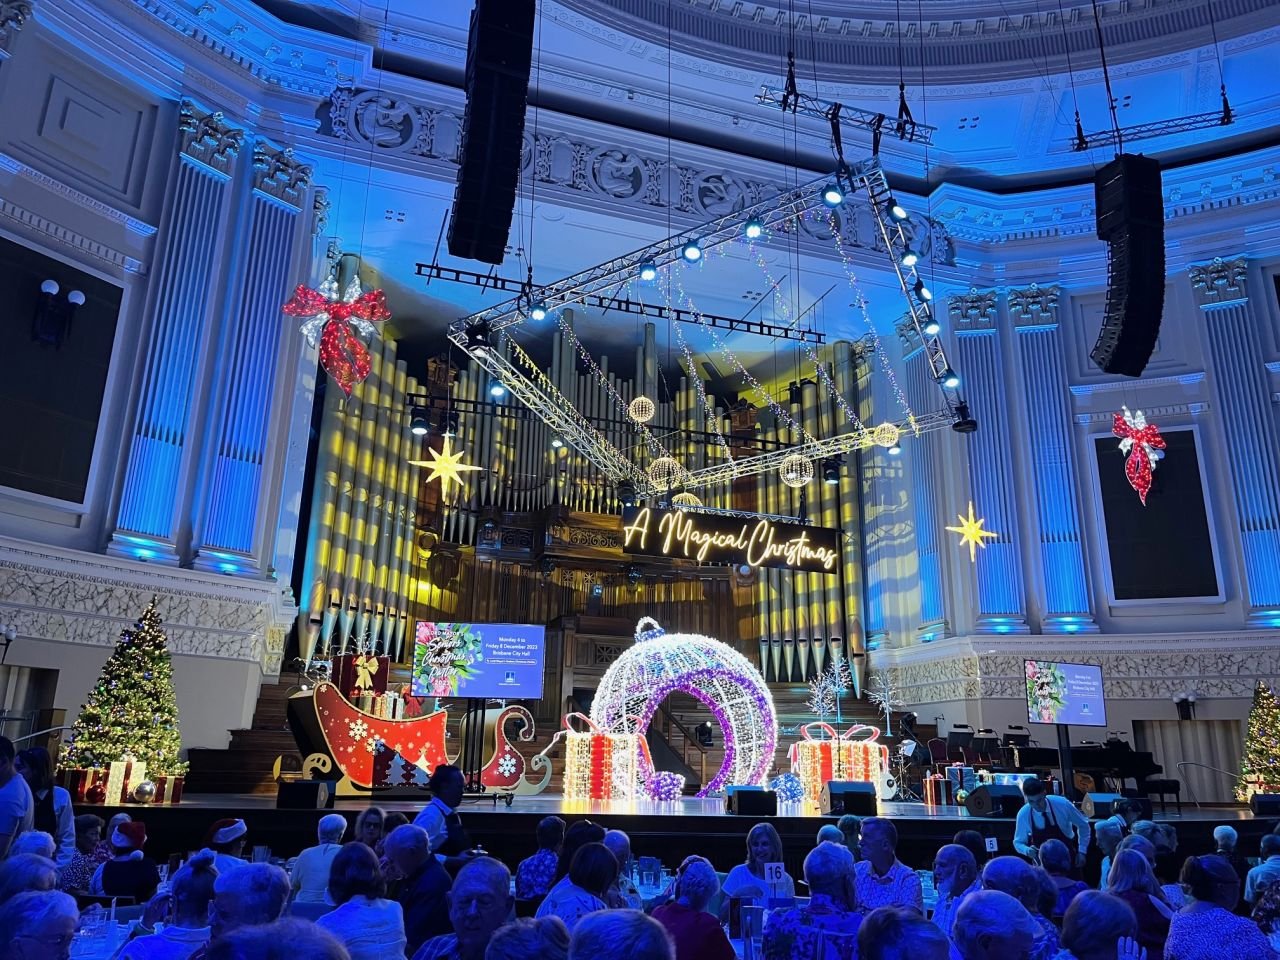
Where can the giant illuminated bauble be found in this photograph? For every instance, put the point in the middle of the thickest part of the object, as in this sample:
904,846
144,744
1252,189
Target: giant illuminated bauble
709,671
665,472
641,409
886,434
683,500
795,470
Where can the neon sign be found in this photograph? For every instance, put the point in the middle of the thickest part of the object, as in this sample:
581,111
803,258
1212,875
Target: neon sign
707,538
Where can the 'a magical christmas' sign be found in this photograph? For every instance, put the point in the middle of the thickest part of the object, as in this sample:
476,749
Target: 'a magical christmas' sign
711,538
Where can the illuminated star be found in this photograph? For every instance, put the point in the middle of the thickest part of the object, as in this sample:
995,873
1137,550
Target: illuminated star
971,532
445,465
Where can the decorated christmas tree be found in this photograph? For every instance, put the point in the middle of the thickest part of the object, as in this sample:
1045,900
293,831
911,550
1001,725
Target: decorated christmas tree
132,710
1260,762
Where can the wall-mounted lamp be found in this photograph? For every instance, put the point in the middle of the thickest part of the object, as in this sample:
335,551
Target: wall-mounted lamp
1186,704
51,324
8,634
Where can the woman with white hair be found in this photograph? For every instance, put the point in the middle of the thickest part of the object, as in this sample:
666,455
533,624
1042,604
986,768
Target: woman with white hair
36,842
25,872
310,874
530,939
615,934
696,933
38,926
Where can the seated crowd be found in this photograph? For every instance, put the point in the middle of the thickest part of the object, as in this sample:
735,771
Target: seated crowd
421,891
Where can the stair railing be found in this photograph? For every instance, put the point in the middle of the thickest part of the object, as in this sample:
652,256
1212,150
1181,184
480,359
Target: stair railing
669,720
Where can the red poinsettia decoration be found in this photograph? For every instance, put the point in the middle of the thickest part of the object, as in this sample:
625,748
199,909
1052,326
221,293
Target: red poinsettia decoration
1144,446
341,325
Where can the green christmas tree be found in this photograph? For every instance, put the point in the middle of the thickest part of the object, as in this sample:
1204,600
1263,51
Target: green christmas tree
1260,763
132,709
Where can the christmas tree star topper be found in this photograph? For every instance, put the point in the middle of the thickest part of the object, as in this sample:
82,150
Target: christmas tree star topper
971,532
446,465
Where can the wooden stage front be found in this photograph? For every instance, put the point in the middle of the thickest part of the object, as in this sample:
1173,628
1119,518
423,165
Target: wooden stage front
668,831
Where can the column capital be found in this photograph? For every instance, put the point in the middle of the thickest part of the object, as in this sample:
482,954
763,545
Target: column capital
207,138
909,337
1221,280
320,206
277,174
975,310
1034,306
14,15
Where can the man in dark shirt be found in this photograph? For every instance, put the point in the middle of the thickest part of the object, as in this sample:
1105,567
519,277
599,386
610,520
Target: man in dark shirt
423,888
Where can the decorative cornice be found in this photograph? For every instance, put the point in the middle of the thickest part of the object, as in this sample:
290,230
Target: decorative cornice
1034,306
1220,281
78,243
1163,411
975,310
134,225
207,138
13,17
1113,386
278,175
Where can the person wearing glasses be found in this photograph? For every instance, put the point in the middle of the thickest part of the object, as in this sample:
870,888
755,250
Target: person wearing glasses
38,926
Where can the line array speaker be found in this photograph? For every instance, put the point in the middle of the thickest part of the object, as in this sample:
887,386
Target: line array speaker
499,55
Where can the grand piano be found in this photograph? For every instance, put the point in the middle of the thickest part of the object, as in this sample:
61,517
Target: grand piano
1115,760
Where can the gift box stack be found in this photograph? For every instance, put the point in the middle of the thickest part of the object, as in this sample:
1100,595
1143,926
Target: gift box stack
360,674
938,791
599,765
836,757
116,784
385,706
961,777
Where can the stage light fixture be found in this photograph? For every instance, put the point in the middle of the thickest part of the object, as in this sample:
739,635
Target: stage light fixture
832,195
895,449
692,251
497,390
418,422
923,293
897,212
477,339
753,229
648,271
931,326
627,493
949,379
831,471
449,425
909,257
538,311
556,443
964,422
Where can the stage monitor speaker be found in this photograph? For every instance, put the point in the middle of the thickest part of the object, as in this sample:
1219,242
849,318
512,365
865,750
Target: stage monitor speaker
1265,804
1130,218
1102,805
499,56
994,800
848,796
305,795
751,801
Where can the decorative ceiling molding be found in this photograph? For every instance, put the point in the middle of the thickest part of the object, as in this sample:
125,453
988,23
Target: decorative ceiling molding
106,211
1164,412
76,243
1119,386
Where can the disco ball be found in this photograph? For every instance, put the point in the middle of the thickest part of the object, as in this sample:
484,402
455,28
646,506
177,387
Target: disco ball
144,792
886,435
665,472
795,470
641,409
686,500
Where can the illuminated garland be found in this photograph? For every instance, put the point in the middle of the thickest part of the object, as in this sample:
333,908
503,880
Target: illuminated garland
544,381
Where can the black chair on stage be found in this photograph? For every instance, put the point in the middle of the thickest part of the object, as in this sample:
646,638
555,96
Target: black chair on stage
938,752
1017,736
1161,788
986,747
960,736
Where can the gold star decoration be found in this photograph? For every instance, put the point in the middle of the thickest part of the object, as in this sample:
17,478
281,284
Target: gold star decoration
445,465
971,532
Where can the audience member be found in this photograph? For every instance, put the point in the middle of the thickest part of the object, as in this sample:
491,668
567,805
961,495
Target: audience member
1107,836
850,826
579,834
890,933
991,925
593,872
287,939
35,842
391,821
536,874
696,934
368,924
17,806
831,917
1132,881
829,833
1055,858
77,874
882,879
1206,928
1016,878
530,939
975,843
52,805
479,903
424,886
38,926
1266,872
310,875
246,896
1124,814
615,934
184,912
103,852
25,873
1225,841
1045,817
1266,914
226,838
440,817
368,828
129,873
746,880
955,876
623,895
1099,926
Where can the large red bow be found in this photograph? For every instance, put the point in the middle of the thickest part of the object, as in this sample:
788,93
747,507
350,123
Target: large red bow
339,324
1140,440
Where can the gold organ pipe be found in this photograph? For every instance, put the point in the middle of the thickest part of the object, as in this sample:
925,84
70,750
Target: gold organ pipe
320,529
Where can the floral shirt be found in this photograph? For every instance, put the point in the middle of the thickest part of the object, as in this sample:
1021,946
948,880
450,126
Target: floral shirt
823,925
1215,935
1045,946
570,903
899,887
77,874
536,874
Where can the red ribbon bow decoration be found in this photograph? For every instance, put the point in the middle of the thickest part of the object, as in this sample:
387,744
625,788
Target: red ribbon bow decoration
341,325
1143,443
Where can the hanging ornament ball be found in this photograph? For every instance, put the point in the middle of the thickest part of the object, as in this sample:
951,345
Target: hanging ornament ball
665,786
961,796
886,435
96,793
144,792
683,500
641,409
665,472
648,629
795,470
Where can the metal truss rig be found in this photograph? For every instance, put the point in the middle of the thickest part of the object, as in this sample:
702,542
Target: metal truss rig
481,335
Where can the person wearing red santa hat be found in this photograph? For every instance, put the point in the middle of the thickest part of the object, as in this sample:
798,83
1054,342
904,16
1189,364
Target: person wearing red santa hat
128,873
226,839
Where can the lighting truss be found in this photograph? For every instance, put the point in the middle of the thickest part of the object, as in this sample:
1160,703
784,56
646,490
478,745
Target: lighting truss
1156,128
904,128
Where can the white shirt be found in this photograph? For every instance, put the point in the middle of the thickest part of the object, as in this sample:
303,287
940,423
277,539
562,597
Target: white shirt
432,820
569,902
1061,812
65,835
310,876
370,929
17,810
741,877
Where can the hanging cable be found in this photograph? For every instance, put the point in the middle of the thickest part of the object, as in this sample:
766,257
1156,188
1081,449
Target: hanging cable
904,111
1222,77
1081,142
1106,78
